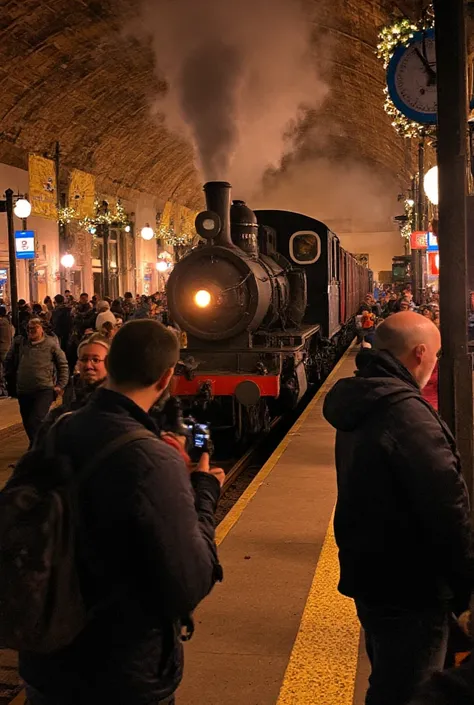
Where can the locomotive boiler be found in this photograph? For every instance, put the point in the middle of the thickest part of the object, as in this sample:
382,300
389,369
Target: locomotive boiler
241,295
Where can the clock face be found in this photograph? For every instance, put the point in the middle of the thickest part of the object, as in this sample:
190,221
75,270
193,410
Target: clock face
412,79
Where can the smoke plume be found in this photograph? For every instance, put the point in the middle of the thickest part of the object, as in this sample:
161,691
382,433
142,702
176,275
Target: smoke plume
345,194
241,75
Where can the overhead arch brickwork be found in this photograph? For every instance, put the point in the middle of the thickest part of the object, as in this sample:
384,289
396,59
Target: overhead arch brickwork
68,73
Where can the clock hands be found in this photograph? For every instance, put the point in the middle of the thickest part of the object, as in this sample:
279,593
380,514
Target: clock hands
432,77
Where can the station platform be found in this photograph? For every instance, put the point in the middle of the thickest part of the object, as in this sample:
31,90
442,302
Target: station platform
276,631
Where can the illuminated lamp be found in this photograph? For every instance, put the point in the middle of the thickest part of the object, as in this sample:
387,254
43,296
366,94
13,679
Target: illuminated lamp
202,298
161,266
430,184
68,261
22,208
147,233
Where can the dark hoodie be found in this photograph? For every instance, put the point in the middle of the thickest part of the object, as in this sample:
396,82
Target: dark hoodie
402,515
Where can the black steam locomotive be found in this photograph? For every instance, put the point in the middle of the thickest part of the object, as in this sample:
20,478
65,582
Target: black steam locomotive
267,302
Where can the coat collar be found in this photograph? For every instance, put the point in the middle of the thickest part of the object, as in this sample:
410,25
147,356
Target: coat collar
114,402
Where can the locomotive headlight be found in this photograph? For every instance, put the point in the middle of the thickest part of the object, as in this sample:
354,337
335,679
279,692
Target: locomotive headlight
202,298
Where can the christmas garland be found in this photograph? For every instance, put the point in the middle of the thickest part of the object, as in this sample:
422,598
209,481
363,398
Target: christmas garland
407,228
116,217
400,33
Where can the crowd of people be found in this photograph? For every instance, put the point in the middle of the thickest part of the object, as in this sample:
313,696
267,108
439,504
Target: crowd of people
40,362
382,304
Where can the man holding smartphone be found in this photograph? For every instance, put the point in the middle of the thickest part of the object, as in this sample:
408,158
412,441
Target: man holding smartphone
147,549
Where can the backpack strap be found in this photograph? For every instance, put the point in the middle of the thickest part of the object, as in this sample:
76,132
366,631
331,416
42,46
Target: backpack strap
111,448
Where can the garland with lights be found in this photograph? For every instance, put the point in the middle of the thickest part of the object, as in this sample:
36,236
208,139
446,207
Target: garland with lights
116,217
66,215
407,228
168,235
391,37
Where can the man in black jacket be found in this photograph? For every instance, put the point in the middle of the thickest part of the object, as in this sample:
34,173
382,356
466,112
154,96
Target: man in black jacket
61,321
147,540
402,515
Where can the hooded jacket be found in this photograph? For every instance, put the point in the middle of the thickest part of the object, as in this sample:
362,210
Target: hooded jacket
402,515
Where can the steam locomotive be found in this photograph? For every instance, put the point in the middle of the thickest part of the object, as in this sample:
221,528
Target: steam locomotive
267,301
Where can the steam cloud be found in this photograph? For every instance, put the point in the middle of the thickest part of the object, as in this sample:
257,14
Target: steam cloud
345,194
241,74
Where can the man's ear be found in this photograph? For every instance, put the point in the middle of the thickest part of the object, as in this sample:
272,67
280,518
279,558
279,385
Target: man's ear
165,379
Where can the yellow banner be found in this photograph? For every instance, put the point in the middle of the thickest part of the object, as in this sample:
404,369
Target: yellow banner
43,189
82,193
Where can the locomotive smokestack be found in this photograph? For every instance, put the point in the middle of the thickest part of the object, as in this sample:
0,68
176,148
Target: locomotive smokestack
218,201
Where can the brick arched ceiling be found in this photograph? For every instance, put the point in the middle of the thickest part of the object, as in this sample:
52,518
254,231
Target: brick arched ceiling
69,73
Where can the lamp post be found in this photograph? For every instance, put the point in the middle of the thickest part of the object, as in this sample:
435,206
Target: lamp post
22,209
456,364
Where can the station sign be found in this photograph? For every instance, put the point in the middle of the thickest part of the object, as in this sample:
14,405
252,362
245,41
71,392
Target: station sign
25,244
432,243
419,240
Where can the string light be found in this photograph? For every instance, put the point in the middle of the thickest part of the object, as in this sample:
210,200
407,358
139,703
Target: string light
408,227
66,215
115,217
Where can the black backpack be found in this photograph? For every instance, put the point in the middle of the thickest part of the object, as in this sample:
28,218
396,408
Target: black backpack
41,605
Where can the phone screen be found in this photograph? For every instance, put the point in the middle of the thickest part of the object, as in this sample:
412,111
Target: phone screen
200,440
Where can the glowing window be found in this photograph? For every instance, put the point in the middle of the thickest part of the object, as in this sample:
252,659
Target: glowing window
305,247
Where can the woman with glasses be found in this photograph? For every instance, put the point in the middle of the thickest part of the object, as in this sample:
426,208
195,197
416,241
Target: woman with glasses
91,365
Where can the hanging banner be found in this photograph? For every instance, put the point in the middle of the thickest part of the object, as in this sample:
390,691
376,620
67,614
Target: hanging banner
82,194
43,190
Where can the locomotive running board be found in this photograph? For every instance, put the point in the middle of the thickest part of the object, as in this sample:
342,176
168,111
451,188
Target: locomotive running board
292,340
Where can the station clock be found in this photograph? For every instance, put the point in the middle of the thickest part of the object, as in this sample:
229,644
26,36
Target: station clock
412,78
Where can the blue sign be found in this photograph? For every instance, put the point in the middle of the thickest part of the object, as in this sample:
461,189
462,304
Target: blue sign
25,244
432,243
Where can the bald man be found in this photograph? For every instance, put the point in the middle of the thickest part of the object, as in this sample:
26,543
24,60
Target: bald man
402,515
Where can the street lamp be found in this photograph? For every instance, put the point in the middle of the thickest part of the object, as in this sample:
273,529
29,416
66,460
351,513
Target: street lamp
147,233
22,209
162,266
430,184
67,262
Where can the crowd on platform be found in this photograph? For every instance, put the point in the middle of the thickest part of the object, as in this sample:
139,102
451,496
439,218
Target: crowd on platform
39,360
383,303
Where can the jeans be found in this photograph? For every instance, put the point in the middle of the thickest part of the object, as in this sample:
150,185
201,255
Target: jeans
35,698
404,648
33,409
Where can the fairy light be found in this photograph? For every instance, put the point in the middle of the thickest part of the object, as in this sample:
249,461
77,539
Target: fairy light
391,37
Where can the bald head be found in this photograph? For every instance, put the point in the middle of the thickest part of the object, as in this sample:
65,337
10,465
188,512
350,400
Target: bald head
414,340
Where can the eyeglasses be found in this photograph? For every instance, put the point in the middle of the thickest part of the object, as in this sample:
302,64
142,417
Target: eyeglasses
93,360
32,328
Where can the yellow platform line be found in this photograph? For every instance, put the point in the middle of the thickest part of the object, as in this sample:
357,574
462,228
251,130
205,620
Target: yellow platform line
323,664
239,507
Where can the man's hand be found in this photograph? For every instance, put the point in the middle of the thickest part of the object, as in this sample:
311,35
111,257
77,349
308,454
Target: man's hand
58,391
203,466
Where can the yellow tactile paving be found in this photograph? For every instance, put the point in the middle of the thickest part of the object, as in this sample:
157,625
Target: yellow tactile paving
236,512
323,664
